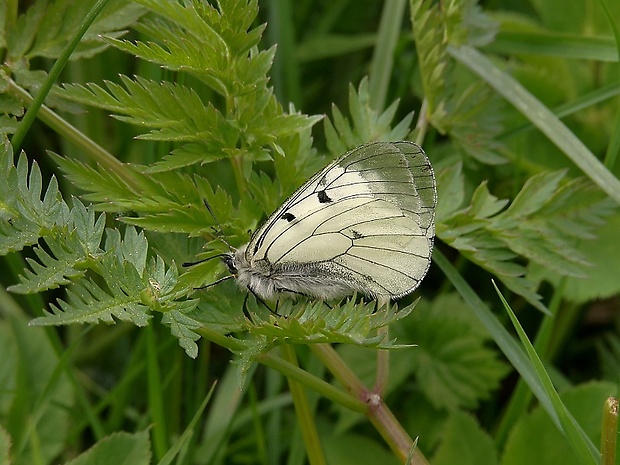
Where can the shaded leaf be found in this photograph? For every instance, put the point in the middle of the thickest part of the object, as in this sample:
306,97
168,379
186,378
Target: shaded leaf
120,448
465,443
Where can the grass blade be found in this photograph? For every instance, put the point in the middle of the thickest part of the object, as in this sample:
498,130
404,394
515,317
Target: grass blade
540,116
506,343
584,449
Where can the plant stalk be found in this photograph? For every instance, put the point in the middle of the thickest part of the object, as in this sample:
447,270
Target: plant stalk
307,424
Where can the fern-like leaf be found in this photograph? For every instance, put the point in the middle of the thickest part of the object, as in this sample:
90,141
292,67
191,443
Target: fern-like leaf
366,124
44,30
457,105
73,248
26,216
315,322
536,226
215,46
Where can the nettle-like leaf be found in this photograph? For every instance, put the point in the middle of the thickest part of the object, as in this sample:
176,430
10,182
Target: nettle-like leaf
458,104
366,124
542,224
452,358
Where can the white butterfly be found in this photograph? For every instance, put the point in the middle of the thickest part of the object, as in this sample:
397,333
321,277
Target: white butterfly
364,223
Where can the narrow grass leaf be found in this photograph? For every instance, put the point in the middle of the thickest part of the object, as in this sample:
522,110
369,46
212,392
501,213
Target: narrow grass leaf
557,45
540,116
183,440
579,441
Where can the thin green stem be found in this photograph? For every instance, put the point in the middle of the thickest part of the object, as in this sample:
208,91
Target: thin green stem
383,56
155,396
394,434
304,413
340,370
383,366
89,147
237,166
290,371
31,114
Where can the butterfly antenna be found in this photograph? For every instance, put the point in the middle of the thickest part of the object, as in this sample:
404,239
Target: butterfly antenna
202,260
219,231
225,278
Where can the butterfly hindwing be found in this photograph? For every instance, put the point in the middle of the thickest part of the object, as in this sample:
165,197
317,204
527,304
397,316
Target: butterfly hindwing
364,223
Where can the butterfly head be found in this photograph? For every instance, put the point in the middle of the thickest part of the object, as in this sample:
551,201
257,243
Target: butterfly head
230,262
235,260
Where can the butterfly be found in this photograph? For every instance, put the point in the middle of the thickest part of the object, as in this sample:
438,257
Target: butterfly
363,224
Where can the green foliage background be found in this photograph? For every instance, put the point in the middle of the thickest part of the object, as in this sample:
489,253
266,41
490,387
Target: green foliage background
155,108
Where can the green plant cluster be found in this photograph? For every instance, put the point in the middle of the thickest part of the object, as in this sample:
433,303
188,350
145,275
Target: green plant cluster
202,145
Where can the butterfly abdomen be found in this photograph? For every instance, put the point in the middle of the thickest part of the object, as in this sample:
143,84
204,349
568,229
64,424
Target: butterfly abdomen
316,279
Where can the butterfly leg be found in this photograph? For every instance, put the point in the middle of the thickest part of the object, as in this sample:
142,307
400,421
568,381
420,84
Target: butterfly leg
260,301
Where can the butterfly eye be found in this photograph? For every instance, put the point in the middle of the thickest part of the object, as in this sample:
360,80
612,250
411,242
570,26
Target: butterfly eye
229,261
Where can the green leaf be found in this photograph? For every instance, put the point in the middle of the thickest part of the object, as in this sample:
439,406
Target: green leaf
36,387
603,255
5,445
214,45
25,215
181,326
173,112
366,124
541,224
542,118
87,302
451,354
62,18
457,104
74,248
465,443
315,322
120,448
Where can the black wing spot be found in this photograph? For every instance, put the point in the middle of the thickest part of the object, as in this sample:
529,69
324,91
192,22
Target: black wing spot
288,217
323,197
356,234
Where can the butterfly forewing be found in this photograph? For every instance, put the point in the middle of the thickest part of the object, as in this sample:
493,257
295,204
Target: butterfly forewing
365,222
